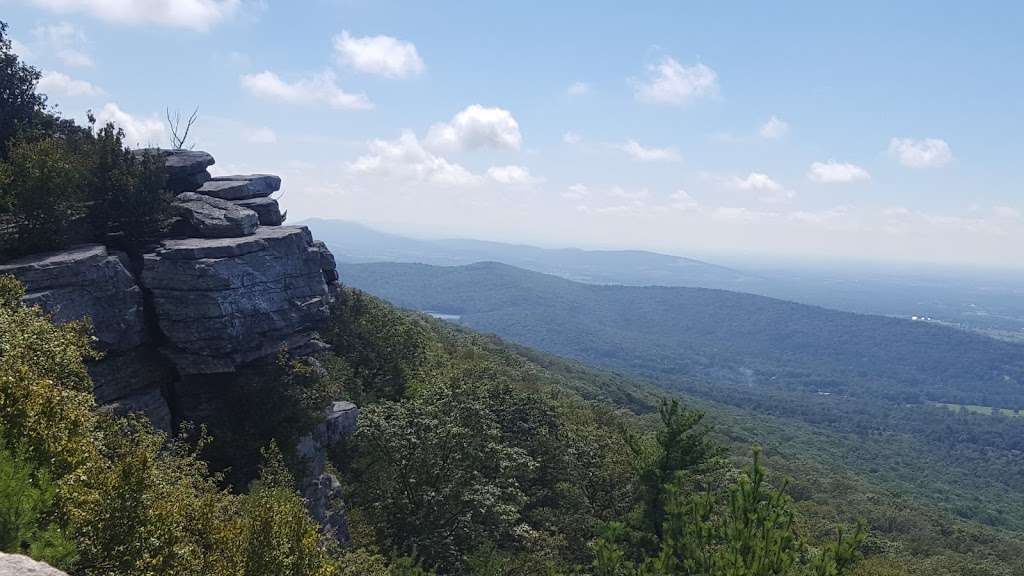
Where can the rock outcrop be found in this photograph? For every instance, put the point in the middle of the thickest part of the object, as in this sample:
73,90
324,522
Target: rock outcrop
85,281
186,169
322,490
18,565
209,217
226,291
225,302
241,187
91,282
266,209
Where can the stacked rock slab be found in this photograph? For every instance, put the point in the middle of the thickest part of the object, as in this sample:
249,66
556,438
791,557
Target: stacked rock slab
88,281
186,169
221,303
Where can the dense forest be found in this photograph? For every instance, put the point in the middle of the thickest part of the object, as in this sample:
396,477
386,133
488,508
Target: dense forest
839,377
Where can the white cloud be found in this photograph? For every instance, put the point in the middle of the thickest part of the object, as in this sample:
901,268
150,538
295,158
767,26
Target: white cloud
635,195
577,191
835,218
639,152
755,181
380,55
261,135
669,82
771,192
55,83
138,132
317,89
23,52
512,175
571,137
925,153
833,172
681,200
406,159
738,214
192,14
1006,213
578,89
66,42
477,127
774,129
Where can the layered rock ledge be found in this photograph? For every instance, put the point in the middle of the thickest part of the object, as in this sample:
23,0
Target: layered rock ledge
224,302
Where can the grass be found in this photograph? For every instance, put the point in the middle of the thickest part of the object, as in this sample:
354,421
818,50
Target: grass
975,409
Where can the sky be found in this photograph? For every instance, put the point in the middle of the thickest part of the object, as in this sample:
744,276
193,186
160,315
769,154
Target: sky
869,131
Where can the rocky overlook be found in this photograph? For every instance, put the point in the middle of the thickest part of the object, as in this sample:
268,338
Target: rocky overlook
229,286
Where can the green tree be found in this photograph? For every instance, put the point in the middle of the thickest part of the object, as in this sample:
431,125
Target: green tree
435,475
19,103
751,533
44,186
27,498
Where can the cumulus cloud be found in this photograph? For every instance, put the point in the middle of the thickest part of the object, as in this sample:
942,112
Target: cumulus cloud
773,129
833,172
66,42
192,14
261,135
681,200
578,89
755,181
317,89
138,131
576,191
57,84
512,175
638,152
407,159
669,82
571,137
477,127
924,153
770,191
380,55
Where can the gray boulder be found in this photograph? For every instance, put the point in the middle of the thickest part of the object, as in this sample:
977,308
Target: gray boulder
327,262
85,281
243,187
209,217
186,169
18,565
149,403
266,208
221,303
321,489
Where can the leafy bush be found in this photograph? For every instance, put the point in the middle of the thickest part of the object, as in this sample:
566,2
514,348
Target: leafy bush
43,186
127,191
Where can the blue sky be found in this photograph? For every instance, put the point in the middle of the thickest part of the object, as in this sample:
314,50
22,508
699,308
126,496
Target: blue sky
868,130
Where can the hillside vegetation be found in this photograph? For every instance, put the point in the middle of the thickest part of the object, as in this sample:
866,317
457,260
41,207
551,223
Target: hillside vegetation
860,385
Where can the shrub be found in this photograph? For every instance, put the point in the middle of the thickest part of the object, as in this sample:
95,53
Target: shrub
126,191
43,186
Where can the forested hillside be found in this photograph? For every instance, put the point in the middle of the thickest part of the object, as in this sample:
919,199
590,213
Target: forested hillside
857,386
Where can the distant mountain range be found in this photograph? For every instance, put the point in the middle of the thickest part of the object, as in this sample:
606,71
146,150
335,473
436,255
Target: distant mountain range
680,335
985,302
